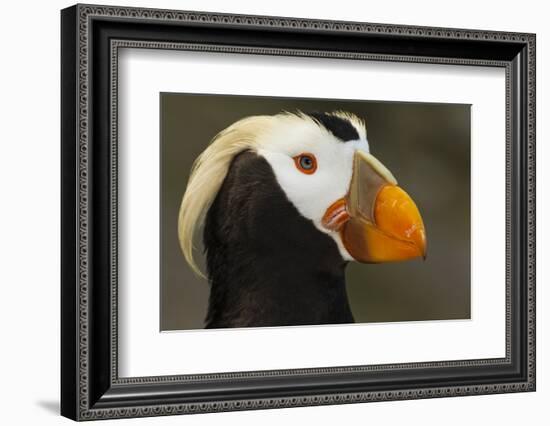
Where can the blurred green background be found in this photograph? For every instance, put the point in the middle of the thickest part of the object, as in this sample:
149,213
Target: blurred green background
427,148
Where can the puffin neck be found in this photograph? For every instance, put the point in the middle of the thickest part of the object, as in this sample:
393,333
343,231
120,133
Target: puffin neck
267,264
275,290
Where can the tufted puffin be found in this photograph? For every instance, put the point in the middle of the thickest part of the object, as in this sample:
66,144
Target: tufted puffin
284,203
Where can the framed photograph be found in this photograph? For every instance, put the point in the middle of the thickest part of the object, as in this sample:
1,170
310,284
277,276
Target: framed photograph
263,212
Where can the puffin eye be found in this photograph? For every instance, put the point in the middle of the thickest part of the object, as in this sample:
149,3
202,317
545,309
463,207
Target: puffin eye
306,163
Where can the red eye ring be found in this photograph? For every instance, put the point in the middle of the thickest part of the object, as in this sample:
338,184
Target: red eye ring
306,163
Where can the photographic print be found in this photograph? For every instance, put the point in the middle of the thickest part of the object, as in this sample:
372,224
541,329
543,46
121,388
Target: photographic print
293,211
361,193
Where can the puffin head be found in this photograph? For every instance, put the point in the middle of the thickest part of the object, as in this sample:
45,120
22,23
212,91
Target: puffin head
322,163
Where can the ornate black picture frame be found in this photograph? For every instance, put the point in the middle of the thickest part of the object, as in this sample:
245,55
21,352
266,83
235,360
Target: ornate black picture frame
90,385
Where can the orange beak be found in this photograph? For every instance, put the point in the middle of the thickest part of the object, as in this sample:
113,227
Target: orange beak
377,220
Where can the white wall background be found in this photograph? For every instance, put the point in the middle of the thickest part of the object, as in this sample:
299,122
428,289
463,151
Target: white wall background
29,225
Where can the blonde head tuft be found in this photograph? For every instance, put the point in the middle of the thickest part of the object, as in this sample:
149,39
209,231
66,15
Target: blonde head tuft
208,173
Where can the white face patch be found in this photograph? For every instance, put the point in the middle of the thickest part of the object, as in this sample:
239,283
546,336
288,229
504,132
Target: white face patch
312,194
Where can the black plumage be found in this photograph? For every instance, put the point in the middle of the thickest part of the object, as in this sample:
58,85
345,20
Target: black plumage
267,264
338,126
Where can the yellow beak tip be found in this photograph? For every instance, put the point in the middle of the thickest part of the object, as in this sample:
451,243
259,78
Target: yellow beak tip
420,242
